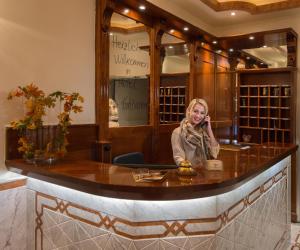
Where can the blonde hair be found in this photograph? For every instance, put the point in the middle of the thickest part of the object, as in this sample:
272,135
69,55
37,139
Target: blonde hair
192,104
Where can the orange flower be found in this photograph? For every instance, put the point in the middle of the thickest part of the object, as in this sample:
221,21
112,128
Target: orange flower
34,90
36,103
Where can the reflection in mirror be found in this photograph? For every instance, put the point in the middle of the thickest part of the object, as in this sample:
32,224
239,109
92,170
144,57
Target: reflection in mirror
175,55
274,57
129,68
270,50
174,79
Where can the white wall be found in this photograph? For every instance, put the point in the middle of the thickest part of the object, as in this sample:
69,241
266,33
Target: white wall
51,43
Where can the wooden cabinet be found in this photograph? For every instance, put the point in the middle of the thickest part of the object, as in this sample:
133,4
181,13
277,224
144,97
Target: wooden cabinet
172,97
213,82
267,105
172,104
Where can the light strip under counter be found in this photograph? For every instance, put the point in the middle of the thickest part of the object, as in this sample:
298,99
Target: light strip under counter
154,220
259,204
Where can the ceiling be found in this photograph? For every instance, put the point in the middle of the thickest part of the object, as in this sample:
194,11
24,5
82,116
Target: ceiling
252,6
215,12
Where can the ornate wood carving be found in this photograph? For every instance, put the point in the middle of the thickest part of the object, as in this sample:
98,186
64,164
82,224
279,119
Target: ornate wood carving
251,7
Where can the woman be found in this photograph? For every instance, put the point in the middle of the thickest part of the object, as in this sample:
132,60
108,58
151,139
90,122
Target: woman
193,140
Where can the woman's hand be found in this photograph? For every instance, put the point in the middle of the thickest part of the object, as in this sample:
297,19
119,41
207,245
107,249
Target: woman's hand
210,132
207,120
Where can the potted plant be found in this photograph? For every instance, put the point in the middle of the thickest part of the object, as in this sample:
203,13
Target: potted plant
30,127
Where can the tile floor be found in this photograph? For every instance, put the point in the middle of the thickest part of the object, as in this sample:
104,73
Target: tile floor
295,237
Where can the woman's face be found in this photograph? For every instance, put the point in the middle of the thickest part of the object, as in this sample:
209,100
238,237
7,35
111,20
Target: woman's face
197,114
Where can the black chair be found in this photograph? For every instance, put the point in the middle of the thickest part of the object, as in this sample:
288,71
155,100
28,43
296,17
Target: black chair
129,158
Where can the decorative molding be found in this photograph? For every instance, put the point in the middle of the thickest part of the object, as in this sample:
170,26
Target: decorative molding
296,244
12,184
250,7
106,20
147,229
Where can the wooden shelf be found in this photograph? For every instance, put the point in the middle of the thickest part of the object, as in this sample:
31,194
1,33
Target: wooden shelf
172,104
266,105
172,97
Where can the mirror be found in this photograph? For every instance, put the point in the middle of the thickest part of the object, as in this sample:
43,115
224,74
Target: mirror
270,49
274,57
129,68
175,68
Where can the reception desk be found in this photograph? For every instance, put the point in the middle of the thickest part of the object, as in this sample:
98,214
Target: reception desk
97,205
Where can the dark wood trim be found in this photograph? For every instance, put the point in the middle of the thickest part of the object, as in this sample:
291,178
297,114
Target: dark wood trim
155,71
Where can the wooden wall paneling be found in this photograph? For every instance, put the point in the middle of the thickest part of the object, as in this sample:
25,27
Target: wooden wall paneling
132,139
82,141
214,83
223,97
164,146
223,88
205,78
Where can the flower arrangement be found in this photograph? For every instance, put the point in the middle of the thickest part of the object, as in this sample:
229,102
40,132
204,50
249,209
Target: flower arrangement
36,102
70,104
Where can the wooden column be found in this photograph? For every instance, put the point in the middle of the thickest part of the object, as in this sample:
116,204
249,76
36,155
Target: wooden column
104,10
193,59
155,70
233,61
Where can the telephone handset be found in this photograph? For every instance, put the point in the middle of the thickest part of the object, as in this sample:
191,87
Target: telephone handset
203,123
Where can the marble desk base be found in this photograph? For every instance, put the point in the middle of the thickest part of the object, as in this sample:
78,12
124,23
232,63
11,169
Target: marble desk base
253,216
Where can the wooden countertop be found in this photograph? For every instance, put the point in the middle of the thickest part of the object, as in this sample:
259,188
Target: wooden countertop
116,181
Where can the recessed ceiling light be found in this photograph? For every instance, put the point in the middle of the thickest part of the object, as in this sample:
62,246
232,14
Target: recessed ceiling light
231,50
248,57
142,7
202,44
172,31
215,42
251,37
110,33
126,11
265,46
185,28
232,13
170,47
